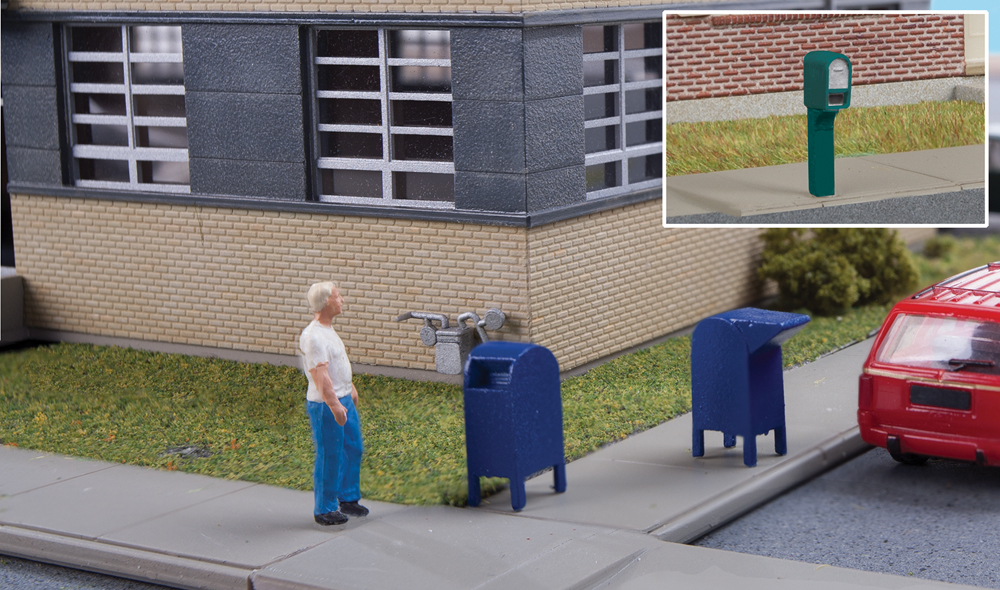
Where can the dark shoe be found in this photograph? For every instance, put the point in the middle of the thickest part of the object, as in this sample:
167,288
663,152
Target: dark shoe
353,508
329,518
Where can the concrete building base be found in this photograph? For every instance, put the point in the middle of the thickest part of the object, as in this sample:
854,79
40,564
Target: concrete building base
757,106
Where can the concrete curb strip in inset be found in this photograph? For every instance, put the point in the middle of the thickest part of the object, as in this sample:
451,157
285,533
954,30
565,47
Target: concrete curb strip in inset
861,179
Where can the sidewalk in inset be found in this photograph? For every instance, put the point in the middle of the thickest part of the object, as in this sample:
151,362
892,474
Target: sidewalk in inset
775,189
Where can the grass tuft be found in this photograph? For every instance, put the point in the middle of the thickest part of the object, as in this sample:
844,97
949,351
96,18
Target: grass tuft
248,421
693,148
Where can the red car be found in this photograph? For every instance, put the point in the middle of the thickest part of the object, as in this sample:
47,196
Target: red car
931,384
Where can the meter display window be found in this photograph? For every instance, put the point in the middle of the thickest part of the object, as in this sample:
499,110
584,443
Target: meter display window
838,76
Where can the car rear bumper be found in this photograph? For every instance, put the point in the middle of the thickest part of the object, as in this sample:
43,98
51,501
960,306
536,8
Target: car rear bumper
982,451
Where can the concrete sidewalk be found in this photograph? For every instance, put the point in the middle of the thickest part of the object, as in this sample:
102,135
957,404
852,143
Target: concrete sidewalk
606,531
888,179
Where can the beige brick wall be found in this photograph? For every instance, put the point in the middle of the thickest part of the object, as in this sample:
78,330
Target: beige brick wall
612,280
913,235
236,279
375,6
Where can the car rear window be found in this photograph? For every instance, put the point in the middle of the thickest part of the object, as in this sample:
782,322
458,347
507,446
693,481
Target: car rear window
949,343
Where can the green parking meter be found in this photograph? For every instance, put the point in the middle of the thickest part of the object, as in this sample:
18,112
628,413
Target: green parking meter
826,90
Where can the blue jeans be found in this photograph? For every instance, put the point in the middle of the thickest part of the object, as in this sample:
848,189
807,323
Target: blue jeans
337,474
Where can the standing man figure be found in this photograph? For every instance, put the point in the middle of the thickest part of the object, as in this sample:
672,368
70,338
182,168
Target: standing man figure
330,402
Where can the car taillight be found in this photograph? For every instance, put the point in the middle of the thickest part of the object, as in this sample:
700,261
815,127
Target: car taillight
865,387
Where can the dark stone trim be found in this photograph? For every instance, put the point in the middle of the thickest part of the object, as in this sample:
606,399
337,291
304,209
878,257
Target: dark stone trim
310,137
590,16
292,18
532,19
778,5
62,101
451,215
264,204
575,210
782,5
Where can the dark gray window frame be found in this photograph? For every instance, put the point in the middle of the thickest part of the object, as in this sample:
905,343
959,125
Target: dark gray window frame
47,185
386,165
131,153
624,153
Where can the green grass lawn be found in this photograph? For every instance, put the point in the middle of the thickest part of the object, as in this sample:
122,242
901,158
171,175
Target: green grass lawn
144,408
692,148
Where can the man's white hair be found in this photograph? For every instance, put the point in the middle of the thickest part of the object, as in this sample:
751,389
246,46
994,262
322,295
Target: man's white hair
318,294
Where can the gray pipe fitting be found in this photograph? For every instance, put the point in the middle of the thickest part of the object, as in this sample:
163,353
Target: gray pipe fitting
453,344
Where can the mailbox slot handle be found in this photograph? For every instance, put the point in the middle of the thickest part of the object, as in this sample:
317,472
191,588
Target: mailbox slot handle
489,373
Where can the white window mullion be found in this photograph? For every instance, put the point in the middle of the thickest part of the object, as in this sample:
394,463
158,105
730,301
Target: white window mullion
107,161
347,61
93,56
425,88
643,116
160,121
133,166
420,96
441,131
383,70
345,128
96,88
100,119
66,35
419,166
350,164
155,89
621,105
416,61
348,94
621,155
317,94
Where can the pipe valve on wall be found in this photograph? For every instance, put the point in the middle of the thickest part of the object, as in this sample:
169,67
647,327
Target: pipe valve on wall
452,344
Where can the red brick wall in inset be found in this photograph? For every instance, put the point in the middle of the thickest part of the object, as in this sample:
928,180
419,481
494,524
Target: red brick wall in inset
733,55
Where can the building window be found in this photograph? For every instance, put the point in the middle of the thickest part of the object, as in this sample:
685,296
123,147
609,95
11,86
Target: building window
383,115
623,105
126,95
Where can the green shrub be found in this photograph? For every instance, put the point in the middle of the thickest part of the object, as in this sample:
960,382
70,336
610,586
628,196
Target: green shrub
834,269
939,247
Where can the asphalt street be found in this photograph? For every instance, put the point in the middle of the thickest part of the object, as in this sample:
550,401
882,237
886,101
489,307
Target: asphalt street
18,574
940,521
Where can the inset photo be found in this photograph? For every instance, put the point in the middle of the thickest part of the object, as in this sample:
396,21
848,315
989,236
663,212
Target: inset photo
810,119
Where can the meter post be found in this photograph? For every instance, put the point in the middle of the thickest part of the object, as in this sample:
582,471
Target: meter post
826,91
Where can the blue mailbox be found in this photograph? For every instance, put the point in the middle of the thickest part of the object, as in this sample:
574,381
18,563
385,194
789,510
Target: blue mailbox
736,381
513,416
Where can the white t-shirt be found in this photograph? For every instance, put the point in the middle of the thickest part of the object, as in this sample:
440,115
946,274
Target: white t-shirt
319,344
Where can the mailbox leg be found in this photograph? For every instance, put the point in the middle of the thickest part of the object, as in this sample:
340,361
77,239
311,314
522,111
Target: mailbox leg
698,443
728,440
517,496
750,450
474,492
559,471
780,443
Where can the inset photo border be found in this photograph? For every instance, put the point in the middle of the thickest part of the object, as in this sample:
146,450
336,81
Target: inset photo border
757,134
